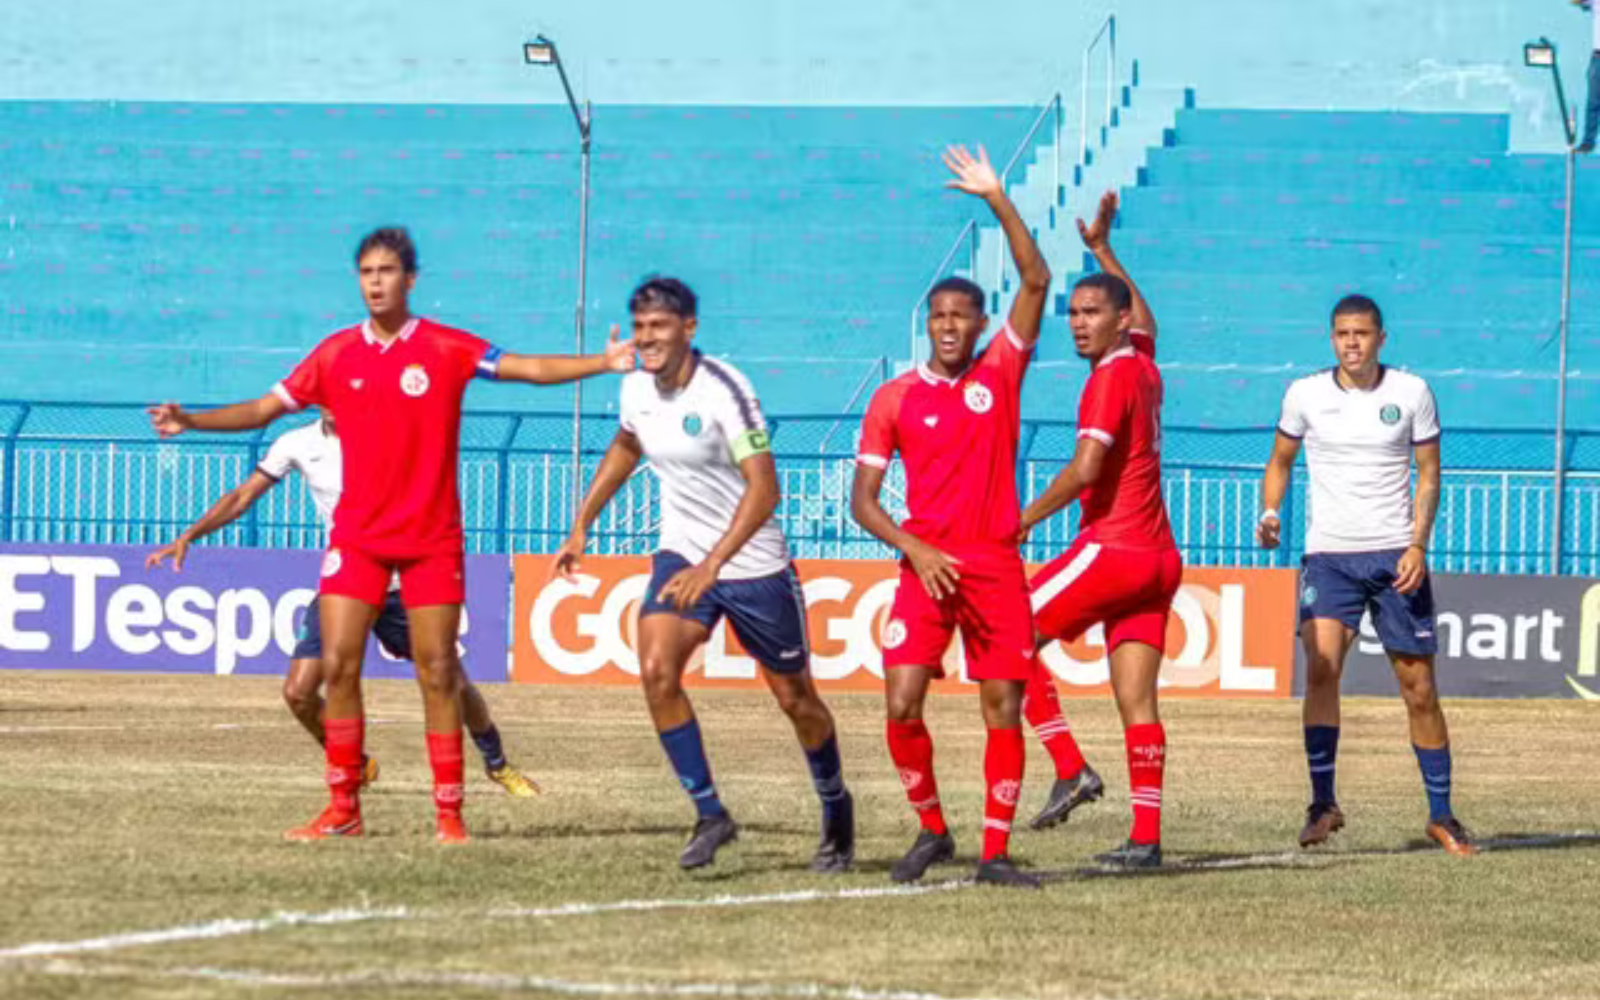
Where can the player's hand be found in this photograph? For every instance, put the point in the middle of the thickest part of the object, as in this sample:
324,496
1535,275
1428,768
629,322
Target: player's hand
619,352
1097,234
568,557
1411,570
1268,531
973,175
935,569
176,552
687,586
169,419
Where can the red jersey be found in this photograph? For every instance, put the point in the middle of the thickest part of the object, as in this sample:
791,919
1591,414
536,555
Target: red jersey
398,410
1121,408
958,440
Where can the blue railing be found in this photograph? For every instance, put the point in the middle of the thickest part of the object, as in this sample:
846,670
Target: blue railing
72,472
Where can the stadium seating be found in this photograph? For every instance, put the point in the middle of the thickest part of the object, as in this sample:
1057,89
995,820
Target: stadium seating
195,250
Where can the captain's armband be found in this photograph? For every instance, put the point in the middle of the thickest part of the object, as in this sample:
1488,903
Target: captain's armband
752,442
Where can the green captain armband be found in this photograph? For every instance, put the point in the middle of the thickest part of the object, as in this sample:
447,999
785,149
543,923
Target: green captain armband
752,442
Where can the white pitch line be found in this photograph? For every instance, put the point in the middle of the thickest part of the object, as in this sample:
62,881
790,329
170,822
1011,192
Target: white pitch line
235,928
502,982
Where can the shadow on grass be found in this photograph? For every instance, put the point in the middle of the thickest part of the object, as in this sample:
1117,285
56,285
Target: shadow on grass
579,832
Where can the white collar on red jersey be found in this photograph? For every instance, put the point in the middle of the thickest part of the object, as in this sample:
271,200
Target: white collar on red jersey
372,338
934,378
1122,352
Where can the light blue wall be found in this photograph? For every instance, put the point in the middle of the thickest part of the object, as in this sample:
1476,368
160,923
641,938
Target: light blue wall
1427,55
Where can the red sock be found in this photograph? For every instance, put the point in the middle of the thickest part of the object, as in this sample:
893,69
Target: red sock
343,748
1002,773
911,749
1043,710
444,753
1147,757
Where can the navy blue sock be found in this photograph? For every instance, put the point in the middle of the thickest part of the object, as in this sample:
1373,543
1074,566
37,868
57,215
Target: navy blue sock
1322,749
827,775
488,743
688,755
1435,766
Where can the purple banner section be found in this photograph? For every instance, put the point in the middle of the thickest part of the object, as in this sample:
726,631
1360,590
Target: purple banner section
230,611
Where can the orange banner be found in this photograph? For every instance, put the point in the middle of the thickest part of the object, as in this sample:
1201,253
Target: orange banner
1231,633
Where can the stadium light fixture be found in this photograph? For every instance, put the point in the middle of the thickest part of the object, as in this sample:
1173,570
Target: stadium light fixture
542,51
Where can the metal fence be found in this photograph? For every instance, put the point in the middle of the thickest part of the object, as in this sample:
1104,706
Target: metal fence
95,474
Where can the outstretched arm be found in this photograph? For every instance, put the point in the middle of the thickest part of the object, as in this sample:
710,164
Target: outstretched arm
977,177
1097,238
551,369
618,464
170,419
224,512
1082,472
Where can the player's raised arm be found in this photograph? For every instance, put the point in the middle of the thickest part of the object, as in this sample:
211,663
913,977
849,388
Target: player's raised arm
621,458
170,419
977,177
233,505
551,369
1097,239
756,507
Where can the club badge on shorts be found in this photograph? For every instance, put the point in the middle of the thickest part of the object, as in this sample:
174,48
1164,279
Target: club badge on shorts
331,562
894,634
414,380
979,398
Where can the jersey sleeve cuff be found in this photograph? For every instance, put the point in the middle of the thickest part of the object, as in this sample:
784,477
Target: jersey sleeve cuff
1430,439
294,405
269,473
874,461
489,365
1017,341
1099,435
1289,434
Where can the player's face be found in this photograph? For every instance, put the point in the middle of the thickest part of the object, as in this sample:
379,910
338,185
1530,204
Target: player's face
1356,340
385,285
1097,324
954,323
662,340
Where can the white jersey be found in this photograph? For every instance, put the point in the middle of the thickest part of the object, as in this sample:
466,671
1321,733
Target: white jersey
316,455
1358,451
694,439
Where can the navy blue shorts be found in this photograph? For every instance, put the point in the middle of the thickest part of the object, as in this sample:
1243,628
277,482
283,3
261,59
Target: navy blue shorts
392,629
768,613
1343,585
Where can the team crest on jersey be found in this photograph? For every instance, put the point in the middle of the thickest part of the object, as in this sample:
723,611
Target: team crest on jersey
894,634
331,562
979,398
692,424
414,380
1390,414
1007,792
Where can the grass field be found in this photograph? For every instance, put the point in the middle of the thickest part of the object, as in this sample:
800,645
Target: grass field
140,856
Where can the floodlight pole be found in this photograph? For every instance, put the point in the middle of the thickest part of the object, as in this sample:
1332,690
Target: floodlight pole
1559,478
584,117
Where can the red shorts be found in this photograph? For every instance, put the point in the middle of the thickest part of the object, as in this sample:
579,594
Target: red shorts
424,582
1130,590
991,608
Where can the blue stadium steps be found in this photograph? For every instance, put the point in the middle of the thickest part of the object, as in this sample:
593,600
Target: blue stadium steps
1248,225
228,229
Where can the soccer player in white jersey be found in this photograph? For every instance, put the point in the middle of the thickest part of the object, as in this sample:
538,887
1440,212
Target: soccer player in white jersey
722,553
313,451
1366,551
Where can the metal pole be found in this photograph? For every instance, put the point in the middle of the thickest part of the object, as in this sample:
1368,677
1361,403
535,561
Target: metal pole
585,120
1111,67
1561,371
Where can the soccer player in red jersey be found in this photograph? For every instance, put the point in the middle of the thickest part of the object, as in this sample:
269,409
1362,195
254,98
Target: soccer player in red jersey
1123,568
955,422
394,384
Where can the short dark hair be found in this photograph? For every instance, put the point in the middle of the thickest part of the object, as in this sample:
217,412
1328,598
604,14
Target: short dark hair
392,238
1354,305
960,286
1116,289
658,292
